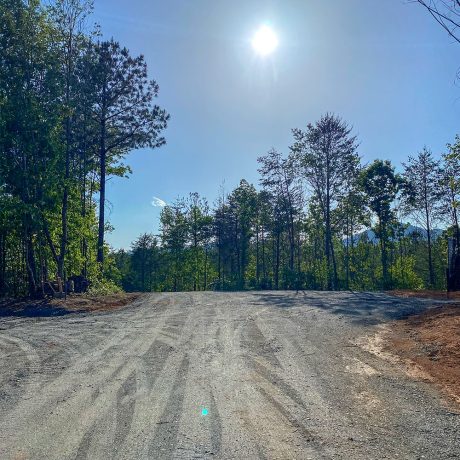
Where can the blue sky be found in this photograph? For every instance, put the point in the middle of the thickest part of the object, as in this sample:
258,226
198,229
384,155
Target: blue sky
384,66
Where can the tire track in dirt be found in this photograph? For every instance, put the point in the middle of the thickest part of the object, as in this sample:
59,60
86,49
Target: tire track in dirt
274,380
164,442
154,360
255,341
277,382
22,383
153,397
305,433
200,436
280,399
147,365
69,393
216,424
125,407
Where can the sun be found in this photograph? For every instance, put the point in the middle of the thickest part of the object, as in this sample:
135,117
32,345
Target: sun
265,41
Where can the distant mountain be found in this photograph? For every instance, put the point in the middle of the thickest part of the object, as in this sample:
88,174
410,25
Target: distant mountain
370,234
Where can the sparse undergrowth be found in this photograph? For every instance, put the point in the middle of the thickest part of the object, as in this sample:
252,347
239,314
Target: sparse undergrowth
103,288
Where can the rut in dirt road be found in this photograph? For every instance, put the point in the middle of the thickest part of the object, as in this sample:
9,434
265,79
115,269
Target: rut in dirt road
217,375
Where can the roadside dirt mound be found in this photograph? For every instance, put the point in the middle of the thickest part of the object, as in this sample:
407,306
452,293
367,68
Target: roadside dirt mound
432,341
98,303
425,294
76,303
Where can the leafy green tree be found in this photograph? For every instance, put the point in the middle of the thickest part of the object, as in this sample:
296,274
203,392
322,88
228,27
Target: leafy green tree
200,230
242,203
69,39
174,236
352,217
279,179
382,185
145,262
29,117
326,154
421,197
57,89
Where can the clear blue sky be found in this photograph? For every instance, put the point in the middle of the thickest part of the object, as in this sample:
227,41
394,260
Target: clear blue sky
384,66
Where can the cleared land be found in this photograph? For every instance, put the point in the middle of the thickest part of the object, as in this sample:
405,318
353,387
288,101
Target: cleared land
431,340
282,375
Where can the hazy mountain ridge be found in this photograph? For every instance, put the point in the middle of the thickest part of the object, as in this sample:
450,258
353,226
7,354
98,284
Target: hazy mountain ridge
410,230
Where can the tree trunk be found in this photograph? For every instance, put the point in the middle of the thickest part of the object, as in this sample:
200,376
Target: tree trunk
65,205
430,258
347,256
328,249
205,268
384,257
277,259
264,270
2,262
257,256
101,228
30,264
334,266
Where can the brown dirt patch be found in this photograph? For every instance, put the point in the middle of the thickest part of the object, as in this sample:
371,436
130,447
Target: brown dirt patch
425,294
432,341
75,303
97,303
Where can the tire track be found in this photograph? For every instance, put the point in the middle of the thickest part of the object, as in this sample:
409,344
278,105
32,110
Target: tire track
164,442
69,394
132,384
23,381
278,382
254,340
216,425
154,360
125,409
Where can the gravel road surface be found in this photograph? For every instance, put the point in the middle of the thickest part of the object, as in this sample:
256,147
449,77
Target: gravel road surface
260,375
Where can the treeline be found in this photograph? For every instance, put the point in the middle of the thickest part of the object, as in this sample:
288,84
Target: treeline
319,220
72,105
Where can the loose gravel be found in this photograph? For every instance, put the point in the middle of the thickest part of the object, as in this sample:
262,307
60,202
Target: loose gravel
269,375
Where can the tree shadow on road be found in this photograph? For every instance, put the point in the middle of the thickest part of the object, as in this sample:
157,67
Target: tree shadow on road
367,308
33,309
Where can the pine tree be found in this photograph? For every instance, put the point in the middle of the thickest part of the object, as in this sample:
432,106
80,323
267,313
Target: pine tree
421,196
122,105
326,155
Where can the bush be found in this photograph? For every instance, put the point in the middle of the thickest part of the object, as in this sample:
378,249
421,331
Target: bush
104,287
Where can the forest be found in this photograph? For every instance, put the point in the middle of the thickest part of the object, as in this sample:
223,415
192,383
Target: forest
72,107
319,219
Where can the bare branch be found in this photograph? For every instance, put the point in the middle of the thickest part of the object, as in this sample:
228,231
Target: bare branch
446,13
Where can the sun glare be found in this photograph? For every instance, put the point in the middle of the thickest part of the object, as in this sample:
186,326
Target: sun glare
264,41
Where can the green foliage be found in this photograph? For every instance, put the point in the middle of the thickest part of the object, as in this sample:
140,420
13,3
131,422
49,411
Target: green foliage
381,186
71,108
101,287
404,274
275,238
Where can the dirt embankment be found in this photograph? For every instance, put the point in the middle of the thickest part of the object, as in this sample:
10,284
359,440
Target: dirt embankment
76,303
432,341
425,294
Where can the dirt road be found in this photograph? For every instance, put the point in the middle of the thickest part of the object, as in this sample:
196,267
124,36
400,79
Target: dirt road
217,375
